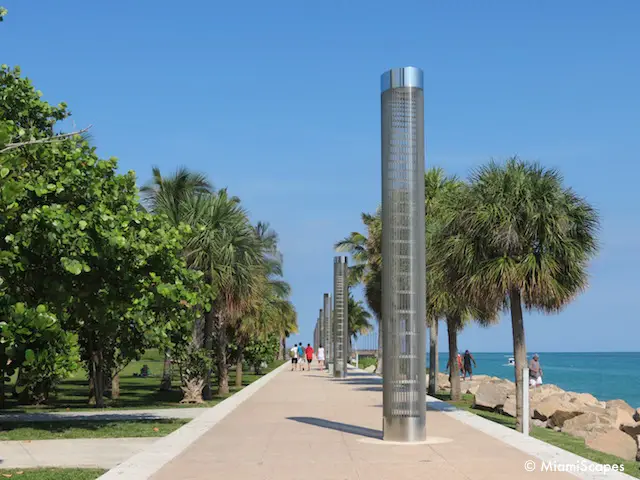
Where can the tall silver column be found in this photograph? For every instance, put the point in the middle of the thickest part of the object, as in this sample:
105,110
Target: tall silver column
328,348
321,330
403,256
340,317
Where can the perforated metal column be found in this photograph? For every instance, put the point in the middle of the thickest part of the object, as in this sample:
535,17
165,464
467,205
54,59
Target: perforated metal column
328,348
321,329
340,314
403,256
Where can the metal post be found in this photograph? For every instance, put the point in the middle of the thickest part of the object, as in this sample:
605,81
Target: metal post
525,401
321,339
403,256
328,348
340,314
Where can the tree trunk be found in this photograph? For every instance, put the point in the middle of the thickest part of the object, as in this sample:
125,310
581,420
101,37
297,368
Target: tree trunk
519,352
97,374
209,320
380,347
221,357
433,357
165,384
115,387
2,395
454,371
281,348
239,370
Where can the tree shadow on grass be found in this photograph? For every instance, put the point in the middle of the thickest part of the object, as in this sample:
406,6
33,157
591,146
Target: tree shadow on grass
340,427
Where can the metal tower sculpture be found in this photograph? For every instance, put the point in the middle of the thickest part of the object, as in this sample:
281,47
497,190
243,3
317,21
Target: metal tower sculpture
341,315
328,347
403,256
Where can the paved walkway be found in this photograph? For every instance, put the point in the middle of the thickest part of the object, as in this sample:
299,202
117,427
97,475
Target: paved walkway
307,425
109,415
80,452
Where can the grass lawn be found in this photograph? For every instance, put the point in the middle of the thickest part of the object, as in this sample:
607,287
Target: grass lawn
562,440
135,392
52,473
88,429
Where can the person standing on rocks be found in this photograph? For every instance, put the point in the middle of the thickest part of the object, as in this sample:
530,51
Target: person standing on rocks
535,371
467,359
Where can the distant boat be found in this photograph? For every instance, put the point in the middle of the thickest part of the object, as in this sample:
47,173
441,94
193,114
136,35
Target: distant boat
512,362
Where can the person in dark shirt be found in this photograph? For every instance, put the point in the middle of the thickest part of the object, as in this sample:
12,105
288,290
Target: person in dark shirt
466,362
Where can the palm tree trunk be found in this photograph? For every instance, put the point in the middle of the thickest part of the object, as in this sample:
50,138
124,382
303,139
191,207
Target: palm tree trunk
519,352
221,357
380,347
239,370
281,348
454,373
433,357
209,319
165,384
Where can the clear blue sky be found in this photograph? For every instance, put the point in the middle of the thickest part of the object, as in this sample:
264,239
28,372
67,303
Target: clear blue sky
279,102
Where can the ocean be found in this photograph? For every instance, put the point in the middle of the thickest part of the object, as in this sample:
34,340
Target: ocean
607,376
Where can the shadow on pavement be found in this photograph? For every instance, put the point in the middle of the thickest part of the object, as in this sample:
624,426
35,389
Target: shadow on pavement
432,407
377,388
341,427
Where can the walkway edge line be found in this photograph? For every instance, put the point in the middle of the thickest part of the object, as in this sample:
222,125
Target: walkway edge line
143,465
545,452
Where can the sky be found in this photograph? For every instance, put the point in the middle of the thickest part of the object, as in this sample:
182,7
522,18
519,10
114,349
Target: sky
280,102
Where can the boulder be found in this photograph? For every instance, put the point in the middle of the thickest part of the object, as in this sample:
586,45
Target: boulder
370,369
492,395
622,405
631,429
509,407
613,442
586,424
619,415
584,399
472,387
538,423
636,416
556,409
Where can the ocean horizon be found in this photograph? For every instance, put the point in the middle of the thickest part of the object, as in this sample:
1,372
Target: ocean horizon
606,375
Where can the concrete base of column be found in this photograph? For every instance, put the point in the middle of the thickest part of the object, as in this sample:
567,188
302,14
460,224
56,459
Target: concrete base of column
404,429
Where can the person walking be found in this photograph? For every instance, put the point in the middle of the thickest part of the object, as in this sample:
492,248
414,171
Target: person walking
459,364
320,356
293,353
535,371
466,361
301,356
309,353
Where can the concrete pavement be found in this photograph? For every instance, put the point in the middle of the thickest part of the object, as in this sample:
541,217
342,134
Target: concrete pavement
77,452
107,415
305,424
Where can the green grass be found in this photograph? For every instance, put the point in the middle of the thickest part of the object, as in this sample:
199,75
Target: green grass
135,392
364,362
561,440
88,429
52,473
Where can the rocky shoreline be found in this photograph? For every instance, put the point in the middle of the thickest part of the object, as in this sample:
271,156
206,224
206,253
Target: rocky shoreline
611,427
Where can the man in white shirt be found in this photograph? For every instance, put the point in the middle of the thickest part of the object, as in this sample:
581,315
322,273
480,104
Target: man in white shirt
320,356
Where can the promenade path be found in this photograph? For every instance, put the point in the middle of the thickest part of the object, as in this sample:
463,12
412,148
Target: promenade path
103,415
308,425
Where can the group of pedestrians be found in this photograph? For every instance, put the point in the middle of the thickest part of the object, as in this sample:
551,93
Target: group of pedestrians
299,354
464,365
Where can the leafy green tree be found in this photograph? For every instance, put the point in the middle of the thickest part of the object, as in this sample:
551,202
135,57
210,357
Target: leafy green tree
358,318
522,238
77,241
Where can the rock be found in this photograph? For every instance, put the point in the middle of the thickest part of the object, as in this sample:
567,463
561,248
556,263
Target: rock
492,395
472,388
631,429
636,416
557,429
586,424
619,415
370,369
557,410
621,404
509,407
538,423
584,399
613,442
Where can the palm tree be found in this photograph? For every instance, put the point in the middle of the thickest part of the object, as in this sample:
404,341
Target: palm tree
225,247
366,251
167,196
358,318
522,238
